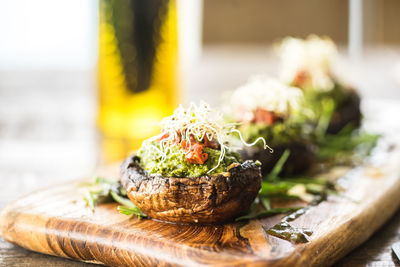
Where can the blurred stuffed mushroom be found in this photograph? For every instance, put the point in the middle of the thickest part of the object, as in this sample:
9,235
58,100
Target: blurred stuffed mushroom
265,107
308,64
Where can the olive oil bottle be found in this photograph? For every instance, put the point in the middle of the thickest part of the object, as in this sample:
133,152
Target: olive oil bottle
137,72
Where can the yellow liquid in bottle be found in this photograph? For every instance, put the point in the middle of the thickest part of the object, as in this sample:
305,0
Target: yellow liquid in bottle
128,114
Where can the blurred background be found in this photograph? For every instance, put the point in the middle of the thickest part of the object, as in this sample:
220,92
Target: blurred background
65,96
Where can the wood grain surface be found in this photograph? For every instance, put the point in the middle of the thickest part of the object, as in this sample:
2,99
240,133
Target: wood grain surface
55,221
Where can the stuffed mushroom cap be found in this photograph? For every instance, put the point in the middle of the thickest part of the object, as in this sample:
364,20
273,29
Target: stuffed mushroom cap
190,173
206,199
347,113
301,157
269,108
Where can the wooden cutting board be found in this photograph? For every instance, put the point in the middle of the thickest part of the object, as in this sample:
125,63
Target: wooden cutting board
56,221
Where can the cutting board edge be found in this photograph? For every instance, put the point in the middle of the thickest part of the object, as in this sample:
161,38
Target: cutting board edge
357,220
6,232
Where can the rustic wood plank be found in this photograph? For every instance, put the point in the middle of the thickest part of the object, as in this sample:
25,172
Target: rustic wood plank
377,250
15,256
55,221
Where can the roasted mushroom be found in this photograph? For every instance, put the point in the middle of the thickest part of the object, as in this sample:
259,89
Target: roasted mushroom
345,114
206,199
308,64
271,109
189,173
301,157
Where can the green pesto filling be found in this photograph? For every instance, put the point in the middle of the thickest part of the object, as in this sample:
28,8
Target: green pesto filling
315,99
175,164
278,133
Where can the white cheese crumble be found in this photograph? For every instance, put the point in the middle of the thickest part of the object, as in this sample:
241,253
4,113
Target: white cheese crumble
313,56
266,93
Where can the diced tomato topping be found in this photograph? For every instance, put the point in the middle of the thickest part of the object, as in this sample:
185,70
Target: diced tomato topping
195,155
193,149
184,144
166,135
301,78
262,115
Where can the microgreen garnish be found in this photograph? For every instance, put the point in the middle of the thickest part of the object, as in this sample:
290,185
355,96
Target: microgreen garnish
197,122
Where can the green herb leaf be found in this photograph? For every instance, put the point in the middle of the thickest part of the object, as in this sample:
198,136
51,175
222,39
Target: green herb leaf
304,180
281,196
328,107
268,188
266,202
315,189
101,180
131,211
267,213
124,201
90,200
273,175
347,143
129,208
104,191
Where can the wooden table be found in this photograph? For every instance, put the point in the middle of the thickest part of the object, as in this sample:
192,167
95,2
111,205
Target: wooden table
48,135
